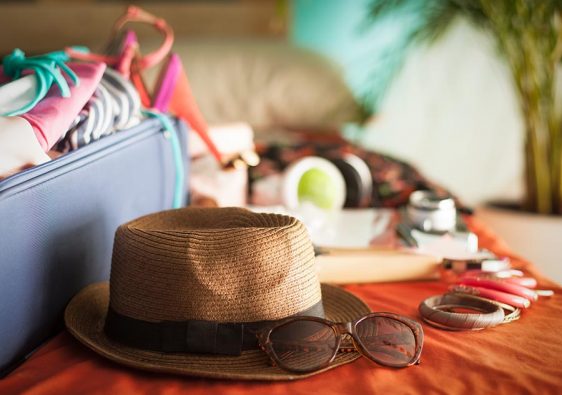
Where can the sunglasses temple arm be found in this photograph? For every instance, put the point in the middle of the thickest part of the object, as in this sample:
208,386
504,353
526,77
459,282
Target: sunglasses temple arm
294,346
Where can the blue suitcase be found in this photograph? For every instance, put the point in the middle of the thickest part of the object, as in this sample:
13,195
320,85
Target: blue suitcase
57,223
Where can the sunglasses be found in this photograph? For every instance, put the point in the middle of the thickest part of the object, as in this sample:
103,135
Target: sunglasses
307,344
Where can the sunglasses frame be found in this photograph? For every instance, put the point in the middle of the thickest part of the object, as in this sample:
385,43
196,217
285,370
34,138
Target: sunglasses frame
340,329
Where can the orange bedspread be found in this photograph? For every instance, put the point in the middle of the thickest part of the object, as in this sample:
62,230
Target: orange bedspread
520,358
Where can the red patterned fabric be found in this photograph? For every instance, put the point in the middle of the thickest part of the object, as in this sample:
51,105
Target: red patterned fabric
393,180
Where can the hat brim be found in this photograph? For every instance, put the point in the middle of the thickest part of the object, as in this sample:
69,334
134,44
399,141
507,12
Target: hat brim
85,318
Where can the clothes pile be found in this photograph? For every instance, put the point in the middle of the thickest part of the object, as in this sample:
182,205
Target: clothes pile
50,105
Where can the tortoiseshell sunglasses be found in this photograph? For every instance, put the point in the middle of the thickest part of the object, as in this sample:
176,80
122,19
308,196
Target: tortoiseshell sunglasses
307,344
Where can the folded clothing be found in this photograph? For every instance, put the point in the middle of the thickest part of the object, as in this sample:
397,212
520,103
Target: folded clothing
103,102
36,74
51,117
25,139
114,106
18,146
17,93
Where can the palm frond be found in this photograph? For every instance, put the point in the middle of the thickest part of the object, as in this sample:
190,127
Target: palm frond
529,34
435,15
378,8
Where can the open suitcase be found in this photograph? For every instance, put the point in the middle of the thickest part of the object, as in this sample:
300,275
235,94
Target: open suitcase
57,223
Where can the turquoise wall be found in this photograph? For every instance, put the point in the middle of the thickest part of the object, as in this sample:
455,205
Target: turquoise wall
368,53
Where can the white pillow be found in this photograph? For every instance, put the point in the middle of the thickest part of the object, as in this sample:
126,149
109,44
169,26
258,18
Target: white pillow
266,83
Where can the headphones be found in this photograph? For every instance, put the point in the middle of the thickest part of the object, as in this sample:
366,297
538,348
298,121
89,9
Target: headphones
329,183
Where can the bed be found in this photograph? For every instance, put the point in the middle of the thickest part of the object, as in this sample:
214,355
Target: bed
524,357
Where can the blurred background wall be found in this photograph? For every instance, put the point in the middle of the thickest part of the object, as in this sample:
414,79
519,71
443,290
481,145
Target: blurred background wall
43,25
449,109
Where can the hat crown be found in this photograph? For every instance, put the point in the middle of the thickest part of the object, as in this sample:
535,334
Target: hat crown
213,264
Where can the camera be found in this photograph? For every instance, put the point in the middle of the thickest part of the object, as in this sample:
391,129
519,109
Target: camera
432,221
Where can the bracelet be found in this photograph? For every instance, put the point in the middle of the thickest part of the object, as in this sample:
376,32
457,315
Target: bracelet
511,313
439,311
492,294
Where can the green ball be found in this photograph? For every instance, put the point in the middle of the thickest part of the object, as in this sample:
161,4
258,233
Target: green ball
318,188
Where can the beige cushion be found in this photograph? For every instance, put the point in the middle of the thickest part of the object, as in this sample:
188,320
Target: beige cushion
266,83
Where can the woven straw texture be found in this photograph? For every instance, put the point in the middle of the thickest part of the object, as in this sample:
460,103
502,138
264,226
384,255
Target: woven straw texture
213,264
85,318
226,265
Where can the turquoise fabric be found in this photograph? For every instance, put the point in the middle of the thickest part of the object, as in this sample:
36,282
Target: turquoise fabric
170,133
47,70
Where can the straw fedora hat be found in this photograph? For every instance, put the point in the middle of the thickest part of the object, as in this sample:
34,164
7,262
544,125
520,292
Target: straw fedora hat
186,285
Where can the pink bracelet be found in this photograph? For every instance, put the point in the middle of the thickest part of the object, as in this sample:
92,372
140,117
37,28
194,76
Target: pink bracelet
501,286
503,297
507,276
528,282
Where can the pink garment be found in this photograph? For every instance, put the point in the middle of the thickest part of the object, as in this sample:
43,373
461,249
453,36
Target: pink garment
52,116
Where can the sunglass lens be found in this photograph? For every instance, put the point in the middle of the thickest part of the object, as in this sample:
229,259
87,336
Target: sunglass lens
387,341
303,345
